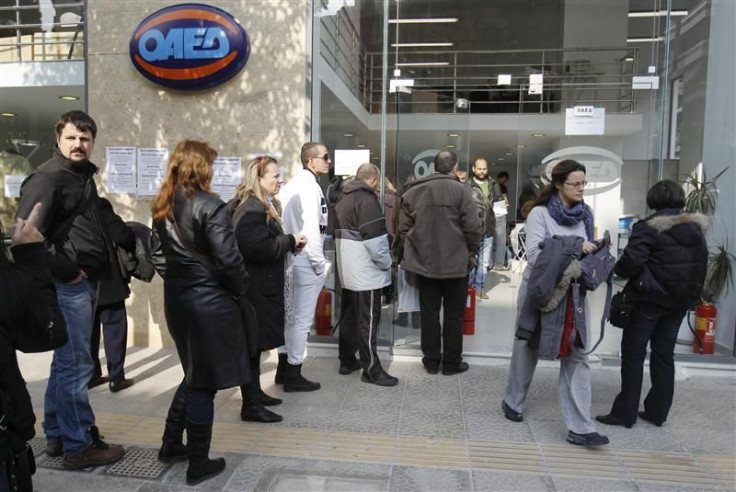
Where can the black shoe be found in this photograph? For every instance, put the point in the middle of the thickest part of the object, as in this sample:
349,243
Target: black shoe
450,370
643,415
377,375
259,413
172,451
294,381
97,453
199,437
281,369
270,401
349,367
432,368
53,448
97,381
611,419
116,386
510,413
592,439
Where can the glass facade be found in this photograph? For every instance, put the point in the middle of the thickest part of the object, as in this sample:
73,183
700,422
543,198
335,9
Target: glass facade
621,86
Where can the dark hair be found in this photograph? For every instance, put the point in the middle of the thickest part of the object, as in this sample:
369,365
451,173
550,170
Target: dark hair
502,174
665,194
559,175
444,161
80,119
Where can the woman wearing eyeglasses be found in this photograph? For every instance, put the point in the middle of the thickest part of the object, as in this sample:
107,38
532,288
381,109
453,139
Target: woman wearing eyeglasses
559,210
264,246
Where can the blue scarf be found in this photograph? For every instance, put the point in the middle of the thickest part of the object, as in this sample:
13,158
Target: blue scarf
571,216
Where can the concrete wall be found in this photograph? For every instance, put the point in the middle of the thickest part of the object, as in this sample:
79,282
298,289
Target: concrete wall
265,107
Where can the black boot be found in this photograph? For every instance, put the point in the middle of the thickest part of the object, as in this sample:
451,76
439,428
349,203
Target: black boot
255,371
294,381
173,448
201,467
253,409
376,375
281,369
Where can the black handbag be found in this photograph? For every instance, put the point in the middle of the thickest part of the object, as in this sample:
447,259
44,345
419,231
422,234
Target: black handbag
622,309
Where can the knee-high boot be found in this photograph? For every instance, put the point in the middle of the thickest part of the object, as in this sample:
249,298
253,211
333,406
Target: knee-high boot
201,467
172,447
253,409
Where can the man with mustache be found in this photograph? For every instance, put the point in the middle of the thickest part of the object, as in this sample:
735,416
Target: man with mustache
77,249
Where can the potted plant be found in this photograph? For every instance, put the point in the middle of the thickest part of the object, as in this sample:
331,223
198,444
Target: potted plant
702,198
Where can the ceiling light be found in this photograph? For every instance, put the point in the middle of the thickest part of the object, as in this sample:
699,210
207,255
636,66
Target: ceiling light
537,135
660,13
348,135
450,146
361,146
509,153
629,59
426,20
420,45
69,98
501,159
645,40
423,64
8,114
454,135
520,146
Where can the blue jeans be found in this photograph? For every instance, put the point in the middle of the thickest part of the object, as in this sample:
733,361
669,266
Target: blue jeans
68,415
478,275
657,326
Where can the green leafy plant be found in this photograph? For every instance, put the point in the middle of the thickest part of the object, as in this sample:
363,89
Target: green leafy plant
703,194
719,279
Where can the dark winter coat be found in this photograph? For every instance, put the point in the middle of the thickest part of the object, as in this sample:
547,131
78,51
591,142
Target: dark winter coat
202,313
75,237
28,303
264,247
115,289
439,227
485,206
666,259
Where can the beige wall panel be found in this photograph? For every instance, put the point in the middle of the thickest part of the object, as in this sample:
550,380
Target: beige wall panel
264,108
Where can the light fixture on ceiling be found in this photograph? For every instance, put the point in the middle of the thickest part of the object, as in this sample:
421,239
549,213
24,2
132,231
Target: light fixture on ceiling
423,64
450,146
501,159
537,135
645,40
629,59
520,146
421,45
659,13
424,20
509,153
453,135
360,146
8,114
69,98
348,135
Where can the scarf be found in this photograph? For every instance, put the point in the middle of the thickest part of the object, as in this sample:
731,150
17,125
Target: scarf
571,216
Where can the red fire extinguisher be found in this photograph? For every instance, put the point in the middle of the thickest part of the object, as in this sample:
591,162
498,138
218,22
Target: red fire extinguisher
469,315
705,328
323,314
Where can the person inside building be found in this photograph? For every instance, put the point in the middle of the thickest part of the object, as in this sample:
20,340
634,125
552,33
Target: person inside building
111,316
203,278
364,263
665,262
440,231
559,211
28,306
265,249
484,190
500,208
305,214
78,247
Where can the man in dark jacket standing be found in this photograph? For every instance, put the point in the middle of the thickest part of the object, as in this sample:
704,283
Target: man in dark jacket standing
77,249
485,191
364,263
440,229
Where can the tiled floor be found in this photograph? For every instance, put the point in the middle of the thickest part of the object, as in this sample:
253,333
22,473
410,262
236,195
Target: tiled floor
433,433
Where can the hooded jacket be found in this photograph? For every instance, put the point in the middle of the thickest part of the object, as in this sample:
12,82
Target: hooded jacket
439,226
361,238
69,218
666,259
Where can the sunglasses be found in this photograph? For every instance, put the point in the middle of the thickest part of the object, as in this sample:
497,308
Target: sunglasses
325,157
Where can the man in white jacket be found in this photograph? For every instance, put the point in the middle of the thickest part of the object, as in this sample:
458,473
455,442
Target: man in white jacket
305,212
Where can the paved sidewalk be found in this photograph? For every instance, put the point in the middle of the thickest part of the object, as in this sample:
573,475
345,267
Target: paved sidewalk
433,433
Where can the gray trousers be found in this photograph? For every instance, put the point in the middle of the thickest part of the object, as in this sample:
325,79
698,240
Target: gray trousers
574,387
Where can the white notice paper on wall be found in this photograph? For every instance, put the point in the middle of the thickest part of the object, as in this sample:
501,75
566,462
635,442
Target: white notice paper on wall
226,176
120,162
12,185
151,170
347,161
585,120
536,83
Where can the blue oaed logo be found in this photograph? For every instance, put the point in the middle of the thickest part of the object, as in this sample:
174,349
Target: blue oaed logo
189,46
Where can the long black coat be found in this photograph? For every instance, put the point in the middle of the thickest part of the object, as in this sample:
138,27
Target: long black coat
199,295
264,247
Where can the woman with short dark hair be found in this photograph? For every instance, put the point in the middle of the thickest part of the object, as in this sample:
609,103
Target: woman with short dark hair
665,262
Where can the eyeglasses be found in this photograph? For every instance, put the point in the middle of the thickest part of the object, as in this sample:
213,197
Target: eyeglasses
325,157
577,184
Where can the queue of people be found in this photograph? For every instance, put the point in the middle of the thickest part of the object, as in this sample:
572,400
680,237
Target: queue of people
242,278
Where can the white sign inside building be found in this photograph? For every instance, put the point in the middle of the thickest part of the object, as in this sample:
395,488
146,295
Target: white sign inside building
585,120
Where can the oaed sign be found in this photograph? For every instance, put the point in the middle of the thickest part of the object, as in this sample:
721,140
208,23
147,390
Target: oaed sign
189,46
603,167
